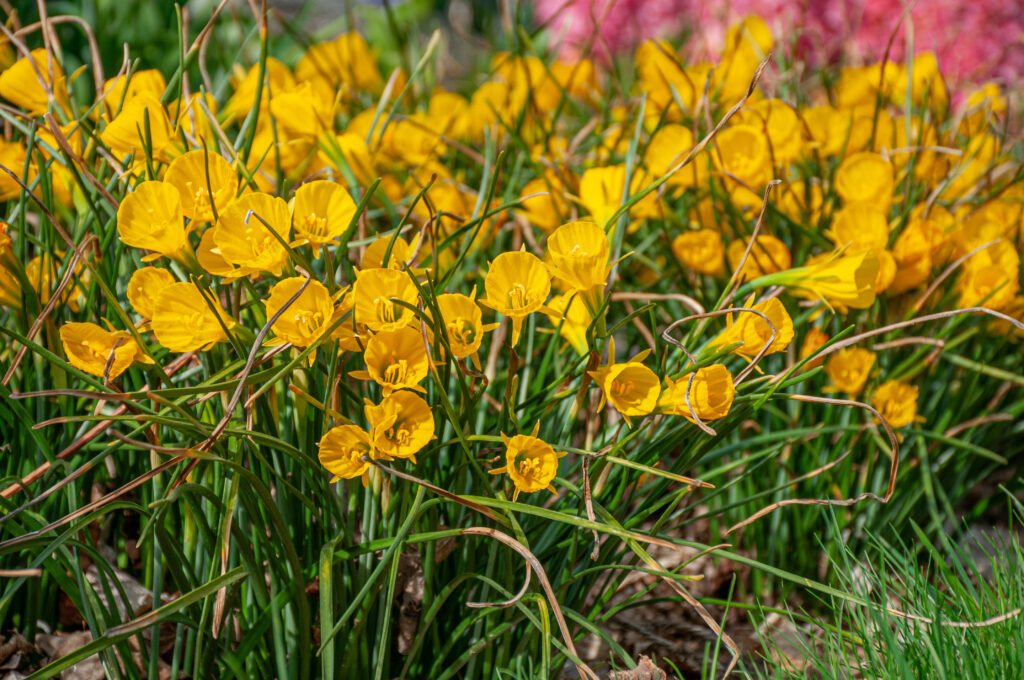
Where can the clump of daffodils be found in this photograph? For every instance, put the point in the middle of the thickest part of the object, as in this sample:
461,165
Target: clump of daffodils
370,250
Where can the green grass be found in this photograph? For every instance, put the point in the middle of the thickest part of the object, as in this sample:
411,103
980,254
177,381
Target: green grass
944,610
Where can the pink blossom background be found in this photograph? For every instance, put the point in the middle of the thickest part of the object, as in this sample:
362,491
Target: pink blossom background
974,40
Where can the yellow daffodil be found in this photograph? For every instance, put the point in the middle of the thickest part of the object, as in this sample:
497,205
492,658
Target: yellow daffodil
342,450
141,125
844,280
782,126
44,272
601,193
517,284
184,321
351,335
304,111
463,322
13,156
10,289
277,78
307,318
701,250
90,348
767,256
578,256
348,149
629,386
346,61
196,115
746,44
897,402
662,77
802,202
20,84
531,463
199,176
742,151
400,425
375,291
395,360
754,332
121,90
569,314
866,177
151,217
849,369
145,286
247,241
814,340
711,394
667,149
546,210
397,259
210,259
321,212
860,226
987,284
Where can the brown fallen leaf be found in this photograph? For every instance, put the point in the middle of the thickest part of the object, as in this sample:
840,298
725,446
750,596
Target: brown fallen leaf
645,670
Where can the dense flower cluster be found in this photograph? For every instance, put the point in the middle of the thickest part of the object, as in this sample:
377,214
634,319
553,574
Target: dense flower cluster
338,227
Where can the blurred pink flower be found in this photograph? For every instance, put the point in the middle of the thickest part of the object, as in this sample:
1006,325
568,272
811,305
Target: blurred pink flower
974,40
624,24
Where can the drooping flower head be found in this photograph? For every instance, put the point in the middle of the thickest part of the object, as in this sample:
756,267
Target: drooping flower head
321,212
897,402
710,395
531,463
249,242
277,77
517,284
400,425
151,218
145,286
141,126
814,340
375,291
754,332
846,280
701,251
184,320
860,226
307,318
342,450
768,255
200,176
90,348
629,386
396,360
849,369
743,153
122,89
45,271
866,177
20,84
545,211
578,253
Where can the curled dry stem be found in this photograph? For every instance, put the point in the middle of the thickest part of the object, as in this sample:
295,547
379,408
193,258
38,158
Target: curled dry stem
893,466
531,560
